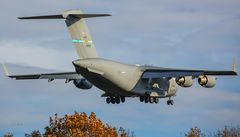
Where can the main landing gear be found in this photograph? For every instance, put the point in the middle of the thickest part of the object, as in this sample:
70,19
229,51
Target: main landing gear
114,100
150,99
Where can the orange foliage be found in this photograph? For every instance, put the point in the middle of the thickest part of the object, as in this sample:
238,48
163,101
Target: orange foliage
80,125
194,132
226,132
231,132
8,135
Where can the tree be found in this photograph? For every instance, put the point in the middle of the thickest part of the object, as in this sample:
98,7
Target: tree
195,132
8,135
231,132
226,132
79,125
35,133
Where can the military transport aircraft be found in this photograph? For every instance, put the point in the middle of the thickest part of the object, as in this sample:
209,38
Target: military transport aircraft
118,80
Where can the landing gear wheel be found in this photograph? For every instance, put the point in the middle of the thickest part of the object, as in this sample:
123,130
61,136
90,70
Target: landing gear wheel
146,100
151,100
122,99
117,100
108,100
156,100
112,100
141,98
171,102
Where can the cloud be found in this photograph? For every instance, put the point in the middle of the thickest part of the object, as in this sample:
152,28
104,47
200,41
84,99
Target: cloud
25,53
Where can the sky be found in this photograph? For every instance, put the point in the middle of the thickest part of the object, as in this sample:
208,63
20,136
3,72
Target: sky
168,33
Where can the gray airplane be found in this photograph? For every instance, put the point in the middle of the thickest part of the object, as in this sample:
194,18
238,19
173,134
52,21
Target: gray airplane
119,80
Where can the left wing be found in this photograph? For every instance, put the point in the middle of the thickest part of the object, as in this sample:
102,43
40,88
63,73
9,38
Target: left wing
49,76
158,72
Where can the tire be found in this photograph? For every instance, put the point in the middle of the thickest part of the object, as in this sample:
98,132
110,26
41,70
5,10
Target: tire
112,100
171,102
146,100
108,100
151,100
122,99
156,100
117,100
141,98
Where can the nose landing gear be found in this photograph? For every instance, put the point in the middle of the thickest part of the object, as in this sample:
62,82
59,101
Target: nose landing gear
170,102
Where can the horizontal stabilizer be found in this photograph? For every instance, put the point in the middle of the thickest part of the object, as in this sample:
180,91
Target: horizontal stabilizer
62,16
89,15
43,17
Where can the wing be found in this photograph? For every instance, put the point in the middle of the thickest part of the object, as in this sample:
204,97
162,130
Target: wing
158,72
49,76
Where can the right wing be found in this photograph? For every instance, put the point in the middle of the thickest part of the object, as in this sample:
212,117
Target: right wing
153,72
158,72
50,76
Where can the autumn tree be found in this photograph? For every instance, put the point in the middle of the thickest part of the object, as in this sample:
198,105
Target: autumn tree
79,125
229,132
8,135
35,133
226,132
195,132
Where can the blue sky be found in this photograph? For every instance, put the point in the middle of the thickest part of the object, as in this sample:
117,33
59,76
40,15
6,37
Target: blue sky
169,33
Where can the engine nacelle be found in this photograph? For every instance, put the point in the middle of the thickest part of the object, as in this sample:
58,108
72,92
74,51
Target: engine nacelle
207,81
82,84
186,81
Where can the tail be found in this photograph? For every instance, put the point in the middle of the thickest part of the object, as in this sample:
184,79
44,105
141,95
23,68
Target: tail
78,30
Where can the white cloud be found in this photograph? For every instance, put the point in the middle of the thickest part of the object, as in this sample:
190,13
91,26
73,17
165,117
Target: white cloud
30,54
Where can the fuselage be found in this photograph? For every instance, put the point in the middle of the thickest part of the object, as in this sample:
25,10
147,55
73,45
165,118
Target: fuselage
118,79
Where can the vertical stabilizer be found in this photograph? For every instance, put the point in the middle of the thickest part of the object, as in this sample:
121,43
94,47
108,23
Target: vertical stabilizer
6,71
80,35
77,29
234,65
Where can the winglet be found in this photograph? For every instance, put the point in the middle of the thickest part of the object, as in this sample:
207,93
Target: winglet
234,66
5,70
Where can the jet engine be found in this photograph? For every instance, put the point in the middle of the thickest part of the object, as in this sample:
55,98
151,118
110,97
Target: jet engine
82,84
207,81
185,81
